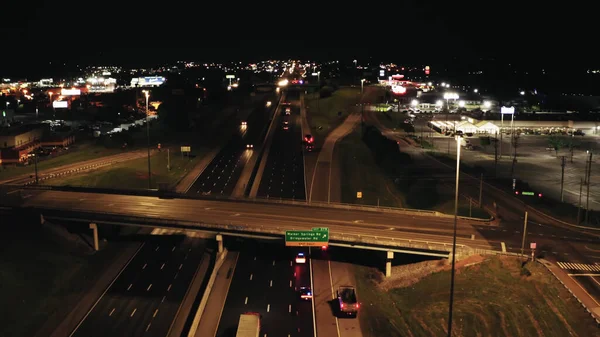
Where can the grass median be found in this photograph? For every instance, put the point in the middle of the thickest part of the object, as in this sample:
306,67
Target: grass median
133,174
360,173
493,297
323,113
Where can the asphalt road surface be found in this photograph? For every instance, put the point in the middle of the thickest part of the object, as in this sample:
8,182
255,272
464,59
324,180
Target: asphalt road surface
283,176
221,175
264,281
145,297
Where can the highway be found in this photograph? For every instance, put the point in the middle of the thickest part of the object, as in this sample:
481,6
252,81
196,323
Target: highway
264,281
145,297
283,176
222,174
266,275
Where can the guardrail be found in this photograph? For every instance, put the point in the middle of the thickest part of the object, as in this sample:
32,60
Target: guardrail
291,202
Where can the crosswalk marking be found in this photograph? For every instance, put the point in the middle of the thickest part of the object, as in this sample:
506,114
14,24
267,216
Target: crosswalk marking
579,266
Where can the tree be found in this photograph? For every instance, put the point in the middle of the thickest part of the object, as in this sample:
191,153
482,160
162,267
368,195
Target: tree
556,143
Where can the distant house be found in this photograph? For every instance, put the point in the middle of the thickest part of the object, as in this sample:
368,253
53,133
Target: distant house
466,127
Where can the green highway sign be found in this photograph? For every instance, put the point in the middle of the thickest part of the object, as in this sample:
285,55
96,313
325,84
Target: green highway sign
315,237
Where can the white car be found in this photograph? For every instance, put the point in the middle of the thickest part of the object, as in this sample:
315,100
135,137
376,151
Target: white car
300,258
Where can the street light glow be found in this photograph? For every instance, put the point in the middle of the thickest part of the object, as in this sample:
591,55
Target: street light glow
414,102
450,95
487,104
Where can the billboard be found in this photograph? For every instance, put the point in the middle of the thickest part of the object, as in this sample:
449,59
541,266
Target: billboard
70,92
153,81
507,111
60,104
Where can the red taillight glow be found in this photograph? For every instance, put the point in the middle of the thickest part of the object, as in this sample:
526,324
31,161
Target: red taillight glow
324,247
540,195
517,192
357,305
342,305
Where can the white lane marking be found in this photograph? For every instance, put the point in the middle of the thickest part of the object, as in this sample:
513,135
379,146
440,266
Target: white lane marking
290,283
312,287
133,312
271,283
111,205
290,263
156,250
246,300
111,312
169,288
149,287
144,267
148,327
180,266
290,308
176,274
255,258
130,285
163,299
268,307
161,267
173,248
155,313
273,262
337,324
251,277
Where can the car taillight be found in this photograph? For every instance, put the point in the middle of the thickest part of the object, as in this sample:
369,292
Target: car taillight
342,305
357,305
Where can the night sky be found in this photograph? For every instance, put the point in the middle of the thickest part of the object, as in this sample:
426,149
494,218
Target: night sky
136,32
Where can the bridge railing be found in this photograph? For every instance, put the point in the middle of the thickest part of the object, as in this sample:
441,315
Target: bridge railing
275,232
169,194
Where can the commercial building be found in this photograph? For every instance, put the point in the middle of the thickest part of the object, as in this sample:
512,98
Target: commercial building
17,142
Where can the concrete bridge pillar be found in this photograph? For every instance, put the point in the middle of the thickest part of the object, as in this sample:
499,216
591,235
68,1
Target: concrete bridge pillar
220,242
94,228
388,264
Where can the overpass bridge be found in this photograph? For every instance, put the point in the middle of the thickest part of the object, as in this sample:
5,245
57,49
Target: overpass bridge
392,230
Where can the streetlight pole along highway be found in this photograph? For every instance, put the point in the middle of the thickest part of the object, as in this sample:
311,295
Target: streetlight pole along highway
458,141
147,94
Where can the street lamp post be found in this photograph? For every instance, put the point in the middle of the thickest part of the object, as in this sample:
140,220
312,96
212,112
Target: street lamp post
147,94
362,81
458,141
35,157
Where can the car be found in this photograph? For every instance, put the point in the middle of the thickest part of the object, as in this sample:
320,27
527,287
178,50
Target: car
308,139
244,123
300,258
288,111
305,293
286,125
249,146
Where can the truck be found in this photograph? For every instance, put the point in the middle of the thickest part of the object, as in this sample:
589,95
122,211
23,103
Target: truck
249,325
347,300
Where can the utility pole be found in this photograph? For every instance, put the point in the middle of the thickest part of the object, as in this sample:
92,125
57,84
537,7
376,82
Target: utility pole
35,156
589,177
579,205
496,156
563,162
480,190
524,234
168,159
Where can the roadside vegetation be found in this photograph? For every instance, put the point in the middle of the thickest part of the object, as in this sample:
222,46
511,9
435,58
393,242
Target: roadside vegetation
328,108
374,165
133,174
44,272
494,296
